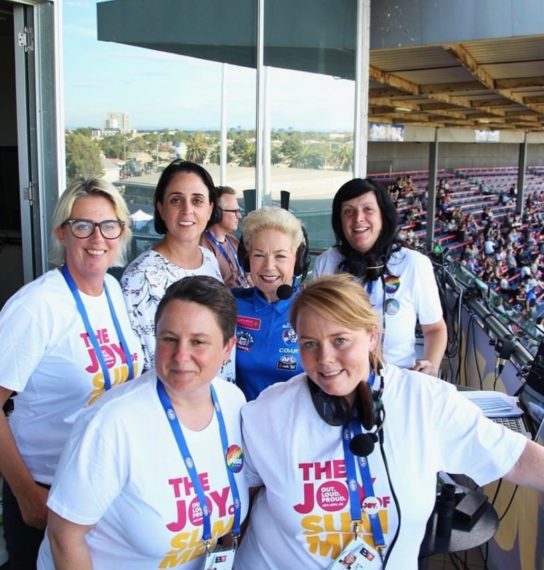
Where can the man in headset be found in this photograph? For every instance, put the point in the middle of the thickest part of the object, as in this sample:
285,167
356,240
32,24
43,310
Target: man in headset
220,240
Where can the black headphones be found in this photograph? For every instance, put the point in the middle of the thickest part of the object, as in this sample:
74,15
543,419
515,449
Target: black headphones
302,261
367,267
217,215
337,411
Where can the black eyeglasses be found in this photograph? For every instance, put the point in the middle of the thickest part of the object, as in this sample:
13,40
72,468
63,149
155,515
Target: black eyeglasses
82,229
233,211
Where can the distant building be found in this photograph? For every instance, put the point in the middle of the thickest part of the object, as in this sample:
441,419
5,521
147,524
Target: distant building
98,134
120,121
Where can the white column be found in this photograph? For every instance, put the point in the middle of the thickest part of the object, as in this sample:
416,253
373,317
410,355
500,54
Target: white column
223,138
259,121
362,67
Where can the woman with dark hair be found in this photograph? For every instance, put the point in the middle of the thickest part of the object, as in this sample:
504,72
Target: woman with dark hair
184,201
400,281
154,477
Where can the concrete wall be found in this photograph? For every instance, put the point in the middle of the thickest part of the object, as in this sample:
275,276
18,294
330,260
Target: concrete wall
383,156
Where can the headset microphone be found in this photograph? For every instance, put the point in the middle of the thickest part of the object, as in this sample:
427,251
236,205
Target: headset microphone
284,292
362,445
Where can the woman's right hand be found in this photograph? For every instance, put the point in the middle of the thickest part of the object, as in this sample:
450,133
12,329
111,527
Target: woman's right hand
33,505
30,496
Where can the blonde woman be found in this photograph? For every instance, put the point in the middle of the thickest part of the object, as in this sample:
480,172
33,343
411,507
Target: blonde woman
350,447
66,338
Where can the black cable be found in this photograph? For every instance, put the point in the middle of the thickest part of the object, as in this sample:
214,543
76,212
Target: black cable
496,494
480,379
466,349
496,379
395,498
457,563
459,335
509,503
486,555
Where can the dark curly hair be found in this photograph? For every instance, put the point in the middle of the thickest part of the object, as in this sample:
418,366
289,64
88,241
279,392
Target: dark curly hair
387,241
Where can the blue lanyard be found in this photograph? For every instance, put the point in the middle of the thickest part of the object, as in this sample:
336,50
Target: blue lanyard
90,332
190,465
368,488
240,275
348,432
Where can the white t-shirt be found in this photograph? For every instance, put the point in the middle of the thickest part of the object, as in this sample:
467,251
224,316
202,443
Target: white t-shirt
46,357
122,470
301,519
144,282
411,295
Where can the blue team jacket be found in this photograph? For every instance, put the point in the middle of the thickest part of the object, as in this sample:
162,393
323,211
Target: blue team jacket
266,343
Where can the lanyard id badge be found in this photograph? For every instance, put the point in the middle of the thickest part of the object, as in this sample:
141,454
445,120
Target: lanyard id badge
348,432
90,331
357,555
220,558
232,261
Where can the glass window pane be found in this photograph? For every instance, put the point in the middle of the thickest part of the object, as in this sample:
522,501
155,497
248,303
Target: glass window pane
311,149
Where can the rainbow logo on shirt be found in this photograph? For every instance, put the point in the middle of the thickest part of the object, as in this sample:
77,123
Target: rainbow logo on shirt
235,458
392,283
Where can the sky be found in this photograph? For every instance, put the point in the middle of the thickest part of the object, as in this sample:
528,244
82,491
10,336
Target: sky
161,90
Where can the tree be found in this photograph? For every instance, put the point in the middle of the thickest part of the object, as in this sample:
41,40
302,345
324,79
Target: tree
309,156
242,150
342,157
292,149
197,149
82,157
87,131
276,156
113,147
215,155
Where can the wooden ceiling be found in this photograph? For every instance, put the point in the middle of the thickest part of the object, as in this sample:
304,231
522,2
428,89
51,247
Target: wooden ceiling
491,84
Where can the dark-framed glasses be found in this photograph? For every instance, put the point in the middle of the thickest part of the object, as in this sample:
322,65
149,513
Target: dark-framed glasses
236,212
82,229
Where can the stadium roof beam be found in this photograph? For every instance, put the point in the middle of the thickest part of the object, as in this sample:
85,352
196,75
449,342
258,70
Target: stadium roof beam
475,56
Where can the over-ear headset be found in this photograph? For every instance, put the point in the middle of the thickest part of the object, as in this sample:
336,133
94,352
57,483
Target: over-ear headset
337,411
217,212
217,215
367,267
302,261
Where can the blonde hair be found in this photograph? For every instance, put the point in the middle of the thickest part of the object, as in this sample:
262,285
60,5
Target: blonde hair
342,299
272,218
81,189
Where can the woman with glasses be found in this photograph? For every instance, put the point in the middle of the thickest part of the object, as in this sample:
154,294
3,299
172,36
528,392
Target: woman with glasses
66,339
184,201
219,237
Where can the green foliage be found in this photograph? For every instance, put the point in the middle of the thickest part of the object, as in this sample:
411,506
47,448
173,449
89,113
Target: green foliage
215,155
242,150
87,131
114,147
342,157
82,157
197,149
292,149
